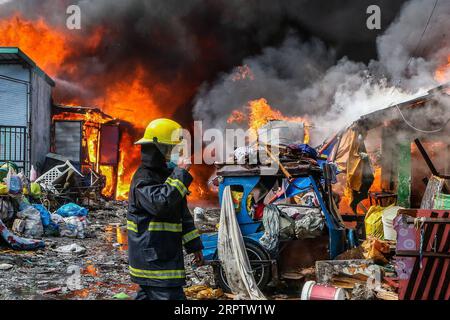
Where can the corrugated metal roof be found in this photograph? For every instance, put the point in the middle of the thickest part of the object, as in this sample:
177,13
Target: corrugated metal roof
378,117
15,55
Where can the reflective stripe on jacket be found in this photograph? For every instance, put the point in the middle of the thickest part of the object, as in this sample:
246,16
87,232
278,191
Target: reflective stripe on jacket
159,223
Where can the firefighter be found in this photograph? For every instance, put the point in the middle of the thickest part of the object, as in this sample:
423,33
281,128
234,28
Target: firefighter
159,222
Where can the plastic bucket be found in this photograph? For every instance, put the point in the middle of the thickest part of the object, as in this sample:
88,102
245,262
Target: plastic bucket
387,218
313,291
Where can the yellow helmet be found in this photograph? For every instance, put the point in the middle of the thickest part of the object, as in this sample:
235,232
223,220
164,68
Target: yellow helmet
161,131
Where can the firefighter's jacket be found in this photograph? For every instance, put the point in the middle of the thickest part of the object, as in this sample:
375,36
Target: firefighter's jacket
159,223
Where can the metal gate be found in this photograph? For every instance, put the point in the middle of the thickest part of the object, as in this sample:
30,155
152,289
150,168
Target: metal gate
14,146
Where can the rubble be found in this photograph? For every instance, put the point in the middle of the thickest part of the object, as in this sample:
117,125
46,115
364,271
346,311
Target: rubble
71,248
96,268
202,292
5,266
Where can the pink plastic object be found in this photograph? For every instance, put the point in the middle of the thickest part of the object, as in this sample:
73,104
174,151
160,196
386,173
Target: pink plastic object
313,291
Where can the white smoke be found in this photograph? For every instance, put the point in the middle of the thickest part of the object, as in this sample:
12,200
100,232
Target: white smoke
303,78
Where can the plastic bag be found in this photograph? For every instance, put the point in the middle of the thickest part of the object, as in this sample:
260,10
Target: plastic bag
76,227
72,210
3,189
35,190
33,223
6,210
24,203
33,174
50,227
45,215
374,223
71,227
4,169
13,182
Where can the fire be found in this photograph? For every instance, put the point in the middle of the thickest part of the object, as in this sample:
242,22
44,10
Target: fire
135,96
129,161
45,45
237,116
442,73
92,122
259,113
108,172
131,100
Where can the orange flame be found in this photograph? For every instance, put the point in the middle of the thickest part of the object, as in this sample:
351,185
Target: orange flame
260,113
442,73
129,161
45,45
108,172
128,97
92,121
131,100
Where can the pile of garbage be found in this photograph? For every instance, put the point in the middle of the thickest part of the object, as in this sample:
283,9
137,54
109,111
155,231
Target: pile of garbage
24,216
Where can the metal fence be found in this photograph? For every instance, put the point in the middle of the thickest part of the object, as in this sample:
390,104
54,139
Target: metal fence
14,146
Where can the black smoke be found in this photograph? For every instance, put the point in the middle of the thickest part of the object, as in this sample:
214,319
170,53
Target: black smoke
186,44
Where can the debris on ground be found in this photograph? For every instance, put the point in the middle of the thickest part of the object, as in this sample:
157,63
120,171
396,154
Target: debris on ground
201,292
376,250
5,266
71,248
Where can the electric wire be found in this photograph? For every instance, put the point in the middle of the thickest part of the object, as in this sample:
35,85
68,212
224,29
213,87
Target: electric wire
407,66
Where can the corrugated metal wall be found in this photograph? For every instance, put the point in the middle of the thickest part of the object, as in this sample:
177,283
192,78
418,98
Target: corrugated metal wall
41,106
14,80
14,101
68,135
25,96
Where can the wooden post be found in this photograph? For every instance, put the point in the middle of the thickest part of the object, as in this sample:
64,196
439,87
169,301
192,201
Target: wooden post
404,173
387,161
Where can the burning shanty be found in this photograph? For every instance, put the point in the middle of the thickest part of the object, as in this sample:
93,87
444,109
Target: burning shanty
184,156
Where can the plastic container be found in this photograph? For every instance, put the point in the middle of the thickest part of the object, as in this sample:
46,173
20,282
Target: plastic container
277,132
387,218
313,291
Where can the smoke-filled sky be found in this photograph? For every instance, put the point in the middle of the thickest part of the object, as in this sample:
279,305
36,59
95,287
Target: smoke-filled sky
307,56
308,77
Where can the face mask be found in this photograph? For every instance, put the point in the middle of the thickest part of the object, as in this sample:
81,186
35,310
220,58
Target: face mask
174,157
171,165
173,162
